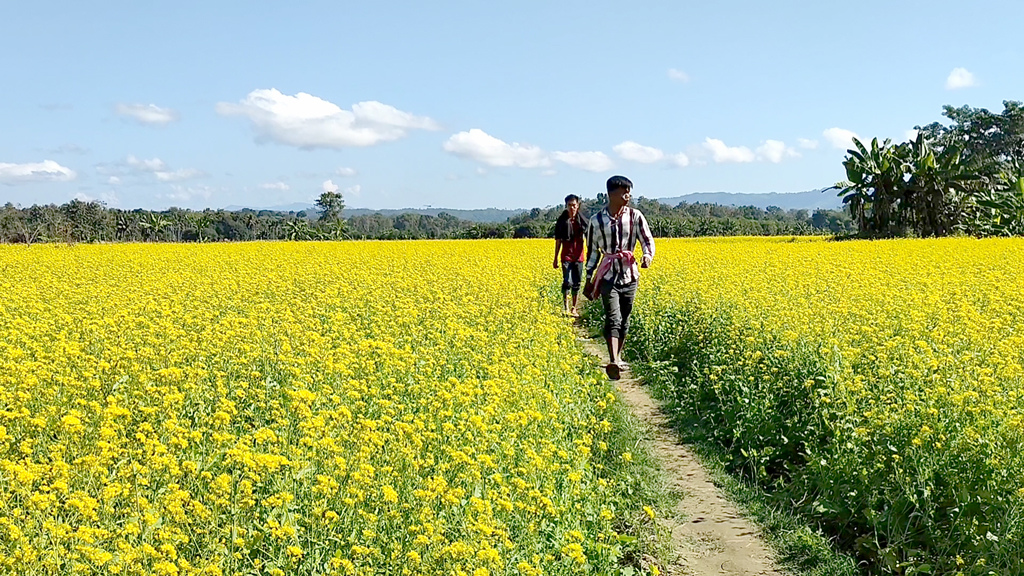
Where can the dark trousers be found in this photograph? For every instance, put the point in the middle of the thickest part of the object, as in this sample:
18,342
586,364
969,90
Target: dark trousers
571,274
618,305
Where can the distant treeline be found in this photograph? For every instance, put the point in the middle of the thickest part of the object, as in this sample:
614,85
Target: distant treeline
79,221
699,219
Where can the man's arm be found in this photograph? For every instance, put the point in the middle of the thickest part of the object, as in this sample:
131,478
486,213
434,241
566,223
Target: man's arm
592,252
558,248
646,240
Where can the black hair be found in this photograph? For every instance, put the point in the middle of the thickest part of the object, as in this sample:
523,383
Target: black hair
571,197
616,182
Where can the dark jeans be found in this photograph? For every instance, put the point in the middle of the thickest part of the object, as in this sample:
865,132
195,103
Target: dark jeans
571,274
618,304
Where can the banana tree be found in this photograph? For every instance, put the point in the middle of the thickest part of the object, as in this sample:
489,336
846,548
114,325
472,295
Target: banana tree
123,226
1004,209
876,178
297,230
940,187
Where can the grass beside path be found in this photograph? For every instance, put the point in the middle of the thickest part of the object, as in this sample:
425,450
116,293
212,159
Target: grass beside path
799,549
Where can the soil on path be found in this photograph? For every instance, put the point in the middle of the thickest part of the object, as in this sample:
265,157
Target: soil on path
709,537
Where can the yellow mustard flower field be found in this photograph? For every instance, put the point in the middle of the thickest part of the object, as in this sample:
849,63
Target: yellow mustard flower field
299,408
877,387
421,407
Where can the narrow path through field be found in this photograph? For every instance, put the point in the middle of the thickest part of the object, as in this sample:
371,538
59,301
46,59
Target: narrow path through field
708,534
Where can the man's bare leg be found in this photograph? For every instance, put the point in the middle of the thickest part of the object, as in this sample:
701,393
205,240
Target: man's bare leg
613,350
613,358
575,304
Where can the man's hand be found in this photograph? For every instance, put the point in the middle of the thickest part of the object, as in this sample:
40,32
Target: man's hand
555,264
645,262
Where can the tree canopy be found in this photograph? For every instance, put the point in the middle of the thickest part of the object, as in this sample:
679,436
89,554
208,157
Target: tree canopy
966,177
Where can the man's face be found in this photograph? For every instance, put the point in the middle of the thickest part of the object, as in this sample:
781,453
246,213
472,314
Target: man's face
572,206
621,194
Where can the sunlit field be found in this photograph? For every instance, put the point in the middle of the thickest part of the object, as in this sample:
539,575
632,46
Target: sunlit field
421,407
298,408
876,386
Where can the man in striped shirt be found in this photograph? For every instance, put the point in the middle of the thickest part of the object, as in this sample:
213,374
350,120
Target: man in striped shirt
611,267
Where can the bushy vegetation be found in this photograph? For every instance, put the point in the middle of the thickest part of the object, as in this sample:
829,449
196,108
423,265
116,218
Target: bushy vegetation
873,387
965,178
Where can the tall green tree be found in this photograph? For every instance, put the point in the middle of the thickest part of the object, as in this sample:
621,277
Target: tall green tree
987,141
330,205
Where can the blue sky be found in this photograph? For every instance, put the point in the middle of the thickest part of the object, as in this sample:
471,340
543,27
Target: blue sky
473,104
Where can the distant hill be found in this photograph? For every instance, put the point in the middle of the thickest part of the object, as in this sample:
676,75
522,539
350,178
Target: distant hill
811,200
293,207
477,215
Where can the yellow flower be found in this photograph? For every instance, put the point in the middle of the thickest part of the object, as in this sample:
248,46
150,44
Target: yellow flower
206,396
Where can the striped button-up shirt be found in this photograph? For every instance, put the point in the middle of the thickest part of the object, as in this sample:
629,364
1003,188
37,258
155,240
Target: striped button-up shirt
608,234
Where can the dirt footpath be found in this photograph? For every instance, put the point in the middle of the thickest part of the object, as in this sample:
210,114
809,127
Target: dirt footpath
708,534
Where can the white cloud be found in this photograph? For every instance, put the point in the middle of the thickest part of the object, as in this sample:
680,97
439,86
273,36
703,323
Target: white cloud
275,186
482,147
375,113
45,171
179,175
775,151
306,121
346,172
481,171
840,138
69,149
329,186
353,190
149,114
108,198
634,152
960,78
186,193
589,161
113,180
721,153
154,165
807,144
678,75
681,160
